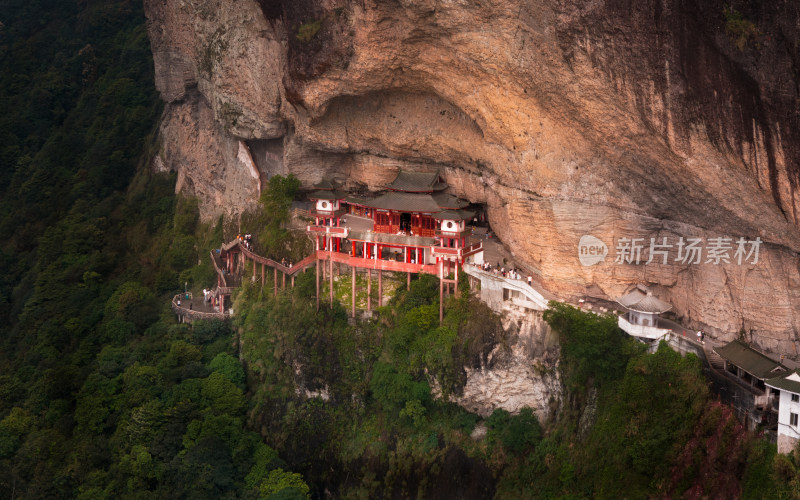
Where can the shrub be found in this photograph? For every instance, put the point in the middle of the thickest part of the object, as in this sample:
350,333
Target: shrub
515,432
307,31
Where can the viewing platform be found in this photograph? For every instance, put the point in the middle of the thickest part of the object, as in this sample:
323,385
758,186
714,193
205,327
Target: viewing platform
652,332
189,310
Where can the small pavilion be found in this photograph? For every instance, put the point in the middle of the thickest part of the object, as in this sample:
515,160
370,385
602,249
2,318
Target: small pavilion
644,310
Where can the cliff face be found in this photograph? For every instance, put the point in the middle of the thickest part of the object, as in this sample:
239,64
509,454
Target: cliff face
619,119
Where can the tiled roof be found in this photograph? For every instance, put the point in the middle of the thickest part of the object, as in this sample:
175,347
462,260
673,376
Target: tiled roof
327,195
641,300
417,182
356,200
404,202
448,201
748,359
453,215
787,382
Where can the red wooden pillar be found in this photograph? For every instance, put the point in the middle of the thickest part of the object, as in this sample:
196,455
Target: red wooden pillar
275,280
262,274
456,273
331,278
380,288
317,276
353,290
441,291
283,284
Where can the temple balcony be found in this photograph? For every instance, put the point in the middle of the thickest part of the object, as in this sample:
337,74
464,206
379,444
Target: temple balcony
453,234
395,229
644,331
337,232
314,212
451,253
393,239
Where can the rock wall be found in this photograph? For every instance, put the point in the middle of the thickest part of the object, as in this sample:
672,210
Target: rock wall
522,372
618,119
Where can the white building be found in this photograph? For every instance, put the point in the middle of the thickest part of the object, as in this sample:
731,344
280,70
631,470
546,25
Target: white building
642,318
788,409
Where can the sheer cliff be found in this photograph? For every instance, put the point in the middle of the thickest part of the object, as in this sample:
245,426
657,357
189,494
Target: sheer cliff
617,119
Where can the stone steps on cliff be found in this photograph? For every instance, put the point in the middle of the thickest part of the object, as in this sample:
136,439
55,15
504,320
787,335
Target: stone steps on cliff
714,359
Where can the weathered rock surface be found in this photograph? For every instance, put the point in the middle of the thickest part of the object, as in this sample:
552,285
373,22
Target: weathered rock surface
212,165
565,117
521,373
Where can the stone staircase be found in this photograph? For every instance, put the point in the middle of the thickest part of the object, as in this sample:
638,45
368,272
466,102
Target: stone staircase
714,360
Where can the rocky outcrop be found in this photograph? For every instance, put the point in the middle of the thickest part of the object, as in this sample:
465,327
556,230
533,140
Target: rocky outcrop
211,164
630,120
519,372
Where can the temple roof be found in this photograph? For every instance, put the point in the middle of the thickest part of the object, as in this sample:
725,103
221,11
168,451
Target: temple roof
453,215
356,200
748,359
446,201
415,202
786,382
325,185
404,202
327,195
642,300
417,182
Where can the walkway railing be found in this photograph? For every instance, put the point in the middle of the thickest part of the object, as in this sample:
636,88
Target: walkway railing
190,315
530,293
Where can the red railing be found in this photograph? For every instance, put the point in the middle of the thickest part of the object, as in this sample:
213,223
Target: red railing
461,253
383,265
333,230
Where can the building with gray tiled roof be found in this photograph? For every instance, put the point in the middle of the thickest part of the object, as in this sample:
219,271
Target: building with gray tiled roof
788,385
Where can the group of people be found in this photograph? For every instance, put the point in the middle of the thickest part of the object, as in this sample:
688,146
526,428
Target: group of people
207,295
247,239
499,270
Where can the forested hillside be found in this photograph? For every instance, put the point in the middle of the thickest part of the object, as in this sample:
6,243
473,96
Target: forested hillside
102,395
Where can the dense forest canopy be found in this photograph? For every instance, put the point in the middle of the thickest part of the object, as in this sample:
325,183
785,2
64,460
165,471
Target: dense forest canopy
103,394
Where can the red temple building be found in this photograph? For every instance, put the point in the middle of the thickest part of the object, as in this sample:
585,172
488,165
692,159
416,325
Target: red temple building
414,222
412,227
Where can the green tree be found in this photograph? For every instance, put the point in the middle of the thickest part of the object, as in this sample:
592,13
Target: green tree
592,346
229,366
278,481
